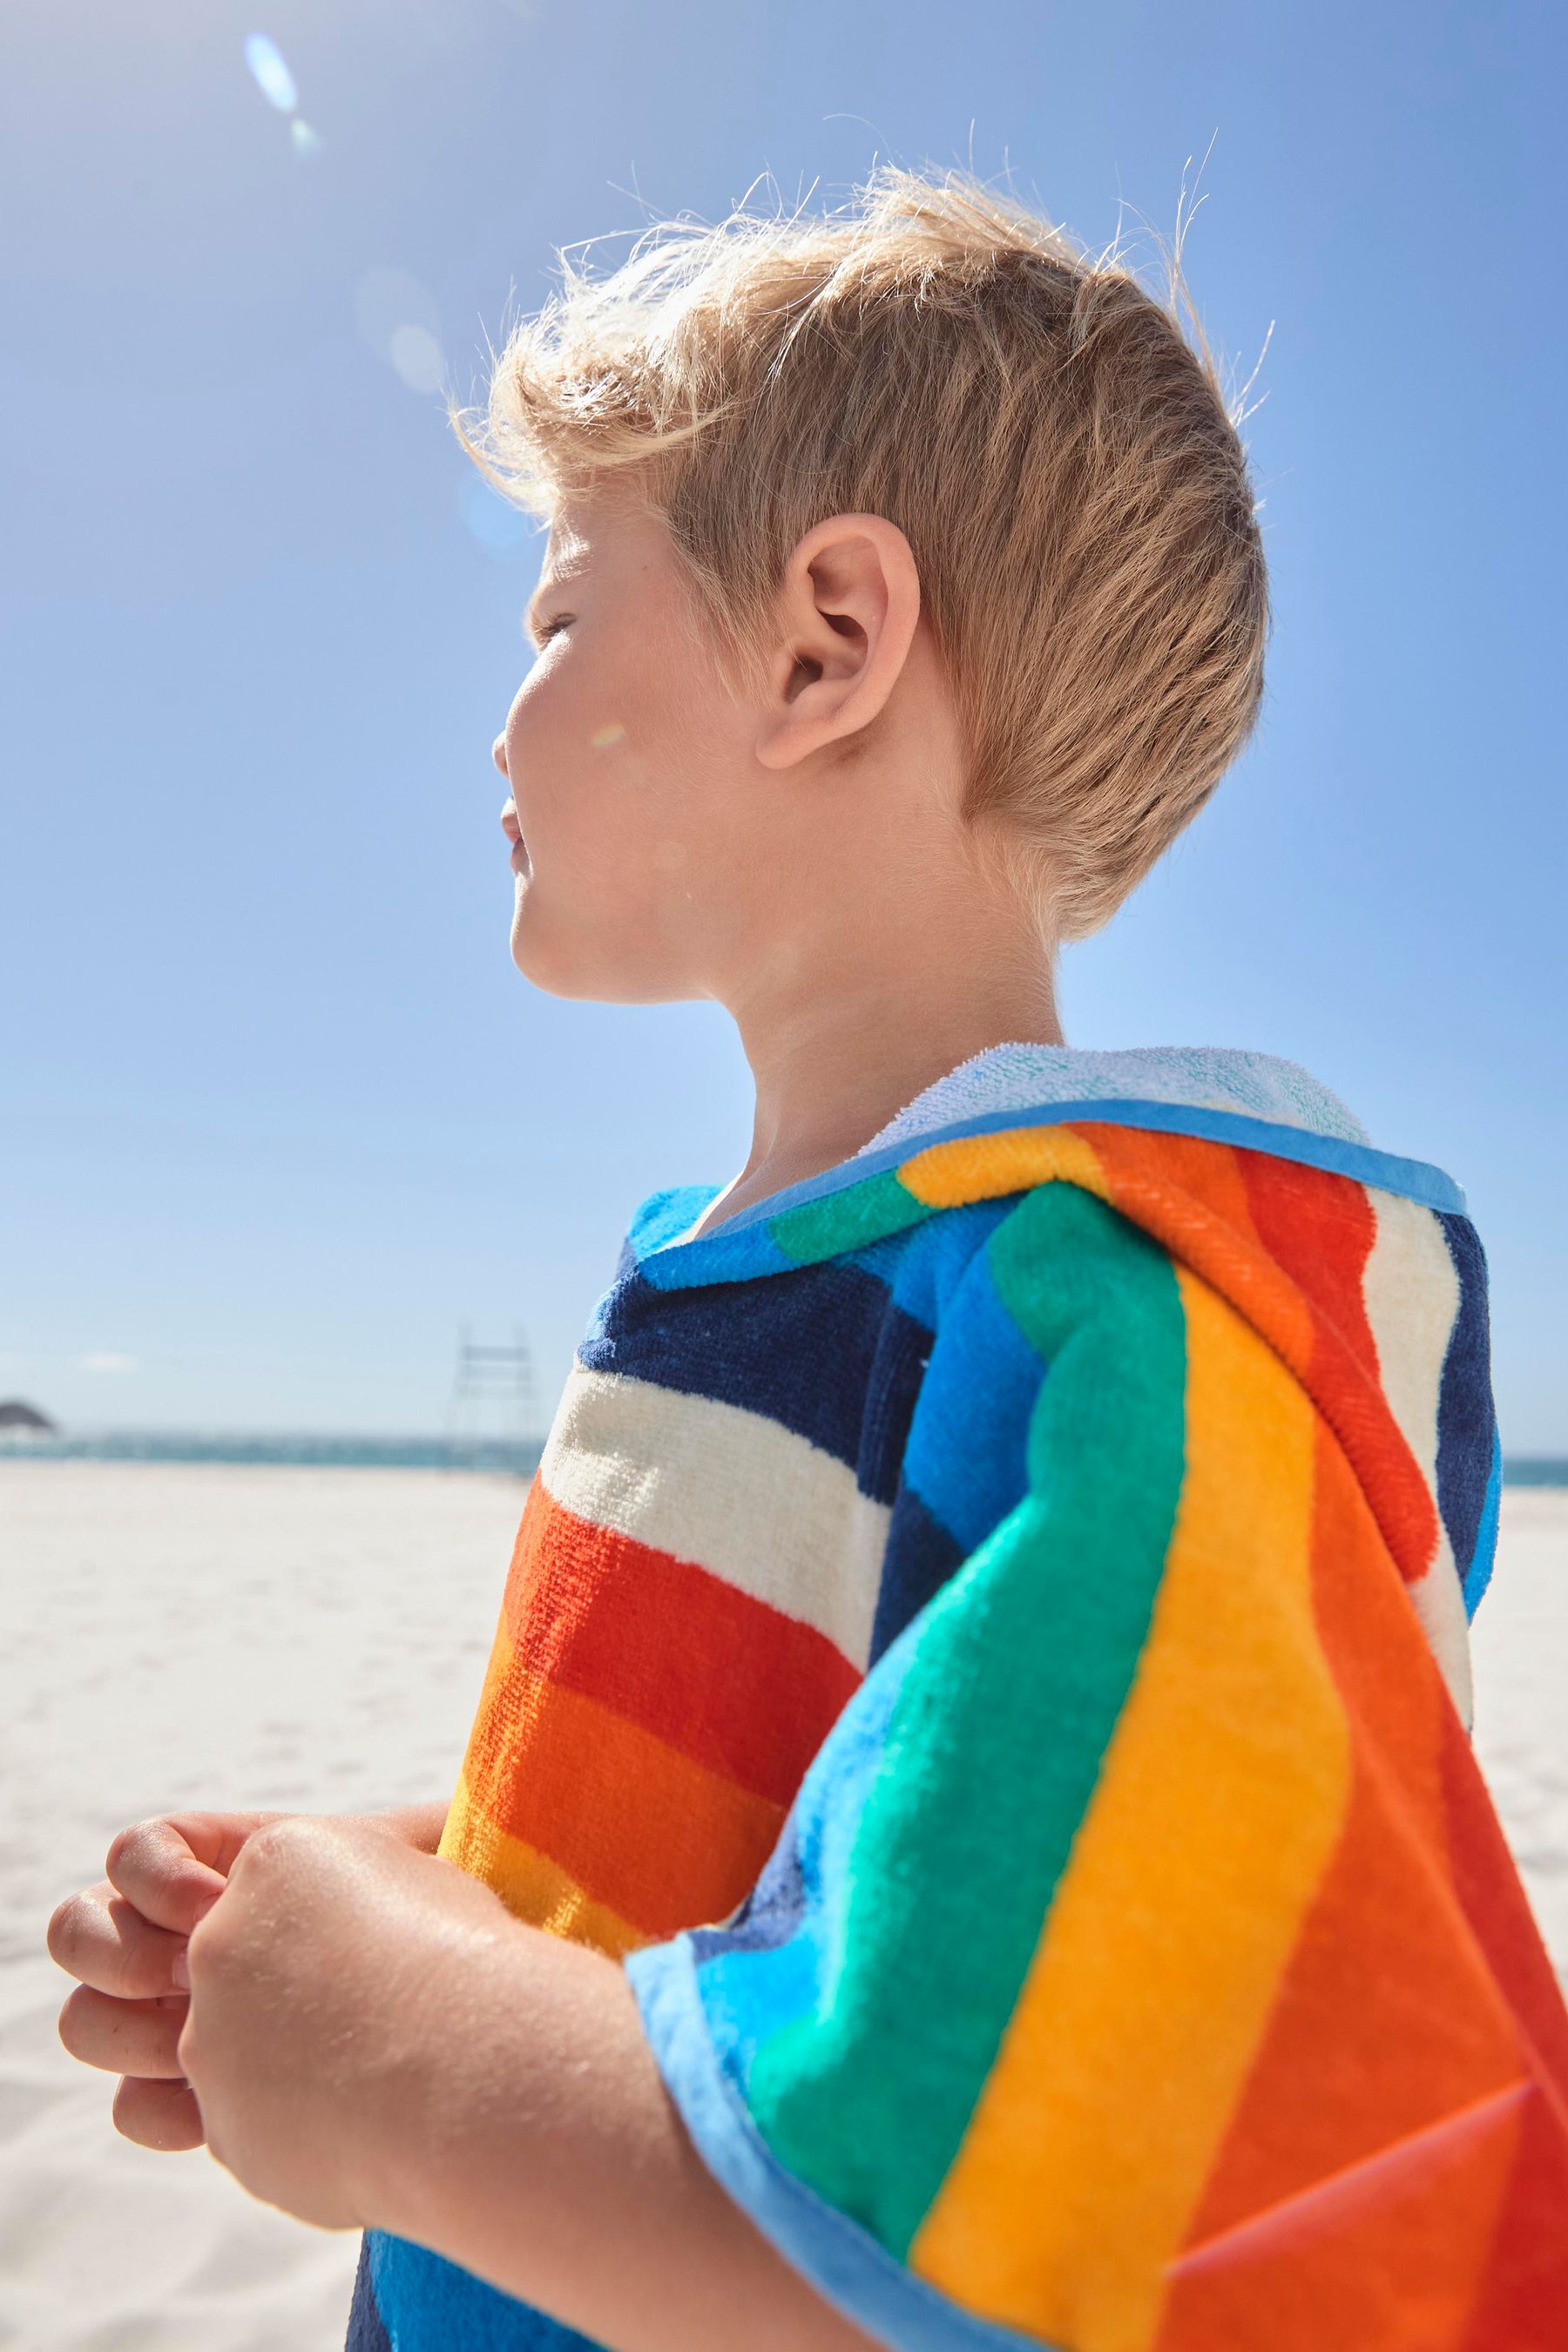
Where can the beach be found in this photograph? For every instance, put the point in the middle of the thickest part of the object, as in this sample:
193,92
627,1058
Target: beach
309,1640
315,1639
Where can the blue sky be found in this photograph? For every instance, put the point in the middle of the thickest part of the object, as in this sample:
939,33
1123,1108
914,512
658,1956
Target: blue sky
279,1114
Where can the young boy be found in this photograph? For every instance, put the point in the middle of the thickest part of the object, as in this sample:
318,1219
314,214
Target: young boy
969,1837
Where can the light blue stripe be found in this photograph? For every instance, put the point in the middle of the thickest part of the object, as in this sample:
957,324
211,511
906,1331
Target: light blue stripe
842,2261
1414,1180
1479,1574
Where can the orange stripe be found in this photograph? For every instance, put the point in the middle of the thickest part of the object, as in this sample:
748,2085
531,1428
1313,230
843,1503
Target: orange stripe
1208,1229
531,1886
1384,2262
1387,2021
661,1841
1218,1805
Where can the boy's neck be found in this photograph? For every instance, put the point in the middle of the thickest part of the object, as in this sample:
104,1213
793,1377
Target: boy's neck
831,1073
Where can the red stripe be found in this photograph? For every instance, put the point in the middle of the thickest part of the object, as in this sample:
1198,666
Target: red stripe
1522,2304
1321,1231
1274,1282
1487,1885
716,1674
1321,1228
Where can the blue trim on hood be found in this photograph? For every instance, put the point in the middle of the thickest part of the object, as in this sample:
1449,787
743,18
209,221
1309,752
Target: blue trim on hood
1414,1180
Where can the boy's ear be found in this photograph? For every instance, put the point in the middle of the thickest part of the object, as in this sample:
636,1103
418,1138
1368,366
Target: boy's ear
844,623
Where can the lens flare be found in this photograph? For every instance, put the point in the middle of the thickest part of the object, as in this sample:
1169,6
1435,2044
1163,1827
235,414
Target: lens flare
306,140
396,317
604,739
493,520
417,357
269,72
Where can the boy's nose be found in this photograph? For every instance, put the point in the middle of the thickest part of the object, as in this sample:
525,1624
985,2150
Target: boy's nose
498,753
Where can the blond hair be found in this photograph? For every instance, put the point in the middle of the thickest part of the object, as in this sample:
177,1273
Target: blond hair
1061,459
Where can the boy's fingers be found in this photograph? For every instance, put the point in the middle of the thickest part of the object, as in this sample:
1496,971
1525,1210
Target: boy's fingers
158,2114
104,1940
124,2037
174,1869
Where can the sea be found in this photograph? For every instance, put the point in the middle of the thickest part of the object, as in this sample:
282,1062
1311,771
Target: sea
516,1457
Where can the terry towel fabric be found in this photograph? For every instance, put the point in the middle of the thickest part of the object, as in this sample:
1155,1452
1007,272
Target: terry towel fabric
987,1646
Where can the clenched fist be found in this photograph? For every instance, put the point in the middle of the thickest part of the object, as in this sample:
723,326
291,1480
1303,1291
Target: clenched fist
123,1936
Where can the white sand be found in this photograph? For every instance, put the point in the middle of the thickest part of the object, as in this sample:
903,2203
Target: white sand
1519,1646
316,1639
303,1639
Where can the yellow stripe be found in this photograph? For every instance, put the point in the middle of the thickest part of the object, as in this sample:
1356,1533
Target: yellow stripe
981,1167
537,1889
1219,1801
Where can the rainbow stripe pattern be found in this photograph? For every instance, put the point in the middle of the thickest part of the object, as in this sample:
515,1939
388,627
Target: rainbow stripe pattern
987,1646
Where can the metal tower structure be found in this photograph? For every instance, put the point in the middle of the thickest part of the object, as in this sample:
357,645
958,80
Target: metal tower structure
493,1402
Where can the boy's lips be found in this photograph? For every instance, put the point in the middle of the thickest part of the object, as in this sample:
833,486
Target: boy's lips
519,861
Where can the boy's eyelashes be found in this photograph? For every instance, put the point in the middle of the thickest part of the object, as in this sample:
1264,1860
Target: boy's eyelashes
542,631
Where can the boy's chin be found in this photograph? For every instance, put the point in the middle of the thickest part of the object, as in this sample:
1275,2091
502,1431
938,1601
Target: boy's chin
544,967
577,976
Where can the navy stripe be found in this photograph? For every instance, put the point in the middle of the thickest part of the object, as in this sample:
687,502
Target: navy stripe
804,1349
366,2332
898,1369
920,1558
1466,1427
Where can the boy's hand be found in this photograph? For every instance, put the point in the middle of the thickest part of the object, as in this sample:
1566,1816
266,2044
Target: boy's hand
323,1988
122,1937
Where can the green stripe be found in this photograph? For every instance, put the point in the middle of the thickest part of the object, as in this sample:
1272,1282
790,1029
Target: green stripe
848,1219
1013,1681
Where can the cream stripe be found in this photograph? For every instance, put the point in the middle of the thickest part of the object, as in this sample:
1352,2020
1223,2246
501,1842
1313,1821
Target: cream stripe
1220,1798
1411,1292
732,1491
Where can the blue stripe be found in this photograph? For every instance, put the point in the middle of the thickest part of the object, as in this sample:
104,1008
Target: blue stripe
967,1457
1479,1574
841,2260
423,2302
723,1254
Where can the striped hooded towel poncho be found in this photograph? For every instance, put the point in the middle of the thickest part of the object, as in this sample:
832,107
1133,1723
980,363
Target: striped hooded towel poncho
987,1646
